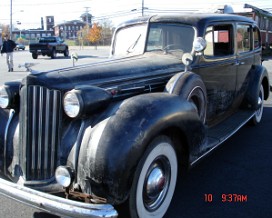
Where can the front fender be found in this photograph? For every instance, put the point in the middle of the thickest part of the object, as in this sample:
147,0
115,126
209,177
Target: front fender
113,148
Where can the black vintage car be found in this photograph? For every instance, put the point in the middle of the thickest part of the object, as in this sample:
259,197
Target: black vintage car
118,131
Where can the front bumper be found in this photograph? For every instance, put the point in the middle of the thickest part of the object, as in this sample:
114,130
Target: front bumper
53,204
41,51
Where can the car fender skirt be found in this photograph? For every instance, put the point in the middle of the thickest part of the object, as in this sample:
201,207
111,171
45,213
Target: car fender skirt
116,145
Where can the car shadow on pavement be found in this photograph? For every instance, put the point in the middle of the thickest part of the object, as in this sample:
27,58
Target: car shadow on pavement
90,56
56,58
44,215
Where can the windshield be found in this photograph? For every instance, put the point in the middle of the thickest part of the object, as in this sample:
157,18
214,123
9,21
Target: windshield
166,37
130,40
47,39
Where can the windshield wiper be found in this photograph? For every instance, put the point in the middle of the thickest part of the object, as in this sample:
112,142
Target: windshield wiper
131,47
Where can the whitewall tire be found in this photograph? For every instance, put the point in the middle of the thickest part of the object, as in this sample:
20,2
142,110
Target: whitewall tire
155,180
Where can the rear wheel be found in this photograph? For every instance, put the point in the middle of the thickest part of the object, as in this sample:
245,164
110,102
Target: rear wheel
155,180
34,55
53,54
256,119
66,52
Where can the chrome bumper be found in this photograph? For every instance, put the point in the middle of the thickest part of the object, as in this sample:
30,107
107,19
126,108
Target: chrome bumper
53,204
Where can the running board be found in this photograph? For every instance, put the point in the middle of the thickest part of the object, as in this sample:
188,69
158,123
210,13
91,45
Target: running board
220,133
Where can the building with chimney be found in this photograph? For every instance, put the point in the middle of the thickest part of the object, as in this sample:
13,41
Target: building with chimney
35,34
69,29
50,23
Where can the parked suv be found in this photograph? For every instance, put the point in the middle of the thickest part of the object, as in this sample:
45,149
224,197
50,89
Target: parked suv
118,131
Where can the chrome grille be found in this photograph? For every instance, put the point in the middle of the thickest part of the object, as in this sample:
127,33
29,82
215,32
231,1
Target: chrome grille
40,131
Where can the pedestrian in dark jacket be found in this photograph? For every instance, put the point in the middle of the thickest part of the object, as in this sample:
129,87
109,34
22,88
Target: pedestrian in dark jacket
8,47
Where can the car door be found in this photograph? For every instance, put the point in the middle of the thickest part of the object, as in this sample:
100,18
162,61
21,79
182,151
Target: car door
217,67
245,58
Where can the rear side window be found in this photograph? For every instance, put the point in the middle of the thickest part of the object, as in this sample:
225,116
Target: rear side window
219,40
243,38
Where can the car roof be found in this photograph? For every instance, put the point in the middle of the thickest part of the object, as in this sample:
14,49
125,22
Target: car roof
195,19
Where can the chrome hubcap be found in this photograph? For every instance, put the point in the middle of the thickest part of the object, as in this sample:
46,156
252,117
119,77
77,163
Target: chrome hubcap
260,105
156,184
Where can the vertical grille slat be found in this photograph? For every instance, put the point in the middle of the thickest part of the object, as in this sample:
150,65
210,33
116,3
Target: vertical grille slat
42,135
33,128
46,136
54,125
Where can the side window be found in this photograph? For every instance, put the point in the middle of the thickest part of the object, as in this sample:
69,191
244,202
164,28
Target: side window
256,38
219,40
243,38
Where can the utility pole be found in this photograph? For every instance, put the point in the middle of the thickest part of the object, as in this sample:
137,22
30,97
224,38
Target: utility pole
142,8
10,28
87,20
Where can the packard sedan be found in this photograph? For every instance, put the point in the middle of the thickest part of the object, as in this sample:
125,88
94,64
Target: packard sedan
119,131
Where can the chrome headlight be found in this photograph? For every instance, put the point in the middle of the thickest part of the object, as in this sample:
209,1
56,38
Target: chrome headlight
72,104
4,97
85,100
64,176
199,44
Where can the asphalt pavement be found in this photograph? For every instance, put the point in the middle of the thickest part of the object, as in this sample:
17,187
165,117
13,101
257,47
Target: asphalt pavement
44,63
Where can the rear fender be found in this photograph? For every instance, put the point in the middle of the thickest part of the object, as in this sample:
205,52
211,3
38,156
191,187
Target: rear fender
112,149
258,76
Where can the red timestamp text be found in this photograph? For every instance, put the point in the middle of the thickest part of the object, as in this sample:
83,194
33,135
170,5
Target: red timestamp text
231,198
234,198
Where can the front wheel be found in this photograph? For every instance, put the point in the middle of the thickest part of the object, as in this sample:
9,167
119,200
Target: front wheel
155,180
256,119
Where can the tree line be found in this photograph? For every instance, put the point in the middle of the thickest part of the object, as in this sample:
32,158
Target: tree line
97,34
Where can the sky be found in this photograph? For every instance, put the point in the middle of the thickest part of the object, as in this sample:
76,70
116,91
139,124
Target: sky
29,12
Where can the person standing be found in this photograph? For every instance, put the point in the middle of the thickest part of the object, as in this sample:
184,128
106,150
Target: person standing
1,39
8,47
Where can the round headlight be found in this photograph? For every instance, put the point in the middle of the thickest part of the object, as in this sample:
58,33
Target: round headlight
71,104
4,97
64,176
199,44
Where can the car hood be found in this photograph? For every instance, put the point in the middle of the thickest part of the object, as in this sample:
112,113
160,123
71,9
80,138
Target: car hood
108,73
